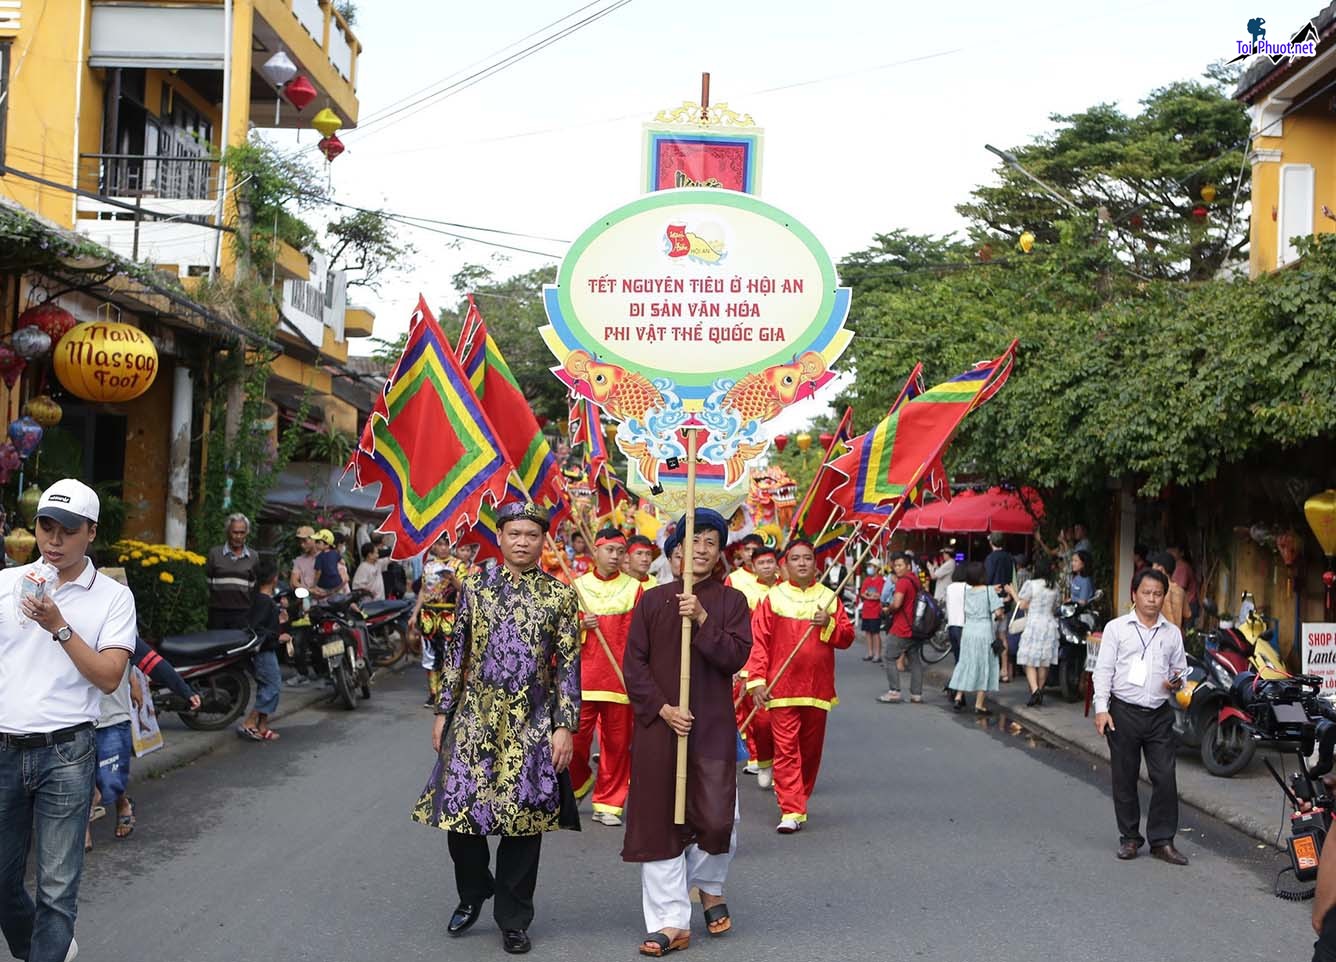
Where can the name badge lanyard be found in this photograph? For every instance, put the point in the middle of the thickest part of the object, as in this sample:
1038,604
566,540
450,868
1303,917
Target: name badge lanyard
1145,642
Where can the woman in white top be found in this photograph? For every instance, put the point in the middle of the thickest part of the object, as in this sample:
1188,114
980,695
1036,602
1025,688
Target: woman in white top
942,574
955,614
1038,649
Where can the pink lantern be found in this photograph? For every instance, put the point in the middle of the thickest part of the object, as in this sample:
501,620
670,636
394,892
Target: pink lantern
300,93
10,460
331,146
11,365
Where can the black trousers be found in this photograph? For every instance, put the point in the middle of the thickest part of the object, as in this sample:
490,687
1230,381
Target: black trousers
1324,949
1150,732
227,618
515,880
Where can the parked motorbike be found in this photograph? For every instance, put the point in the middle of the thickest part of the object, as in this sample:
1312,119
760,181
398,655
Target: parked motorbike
215,664
1076,620
387,629
339,646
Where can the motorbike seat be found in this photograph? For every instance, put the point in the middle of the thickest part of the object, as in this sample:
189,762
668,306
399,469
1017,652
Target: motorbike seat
338,604
373,609
202,646
1233,640
1232,661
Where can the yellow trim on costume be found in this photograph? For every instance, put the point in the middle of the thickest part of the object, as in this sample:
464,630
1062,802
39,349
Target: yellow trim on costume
802,703
585,789
607,809
796,816
755,683
787,600
615,597
615,697
760,764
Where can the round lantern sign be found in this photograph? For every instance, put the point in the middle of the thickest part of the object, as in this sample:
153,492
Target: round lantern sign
106,361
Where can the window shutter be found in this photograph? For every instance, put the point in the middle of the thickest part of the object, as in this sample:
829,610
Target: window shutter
1296,210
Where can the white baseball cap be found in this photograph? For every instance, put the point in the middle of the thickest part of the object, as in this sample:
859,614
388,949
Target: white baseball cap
69,502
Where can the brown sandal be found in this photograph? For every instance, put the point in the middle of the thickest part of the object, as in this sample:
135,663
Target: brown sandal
657,944
717,919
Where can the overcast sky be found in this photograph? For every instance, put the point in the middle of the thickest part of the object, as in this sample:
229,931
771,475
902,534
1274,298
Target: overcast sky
875,114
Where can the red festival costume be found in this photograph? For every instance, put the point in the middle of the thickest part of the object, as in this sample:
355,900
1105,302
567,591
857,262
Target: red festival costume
603,702
760,744
806,691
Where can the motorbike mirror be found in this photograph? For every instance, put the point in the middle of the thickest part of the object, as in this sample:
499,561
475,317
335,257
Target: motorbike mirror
1097,595
302,593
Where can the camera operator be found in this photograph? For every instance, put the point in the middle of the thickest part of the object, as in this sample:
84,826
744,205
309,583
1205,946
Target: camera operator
1324,898
1141,661
66,635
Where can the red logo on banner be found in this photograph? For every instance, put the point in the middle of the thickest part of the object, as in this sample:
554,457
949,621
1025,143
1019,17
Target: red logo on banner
677,237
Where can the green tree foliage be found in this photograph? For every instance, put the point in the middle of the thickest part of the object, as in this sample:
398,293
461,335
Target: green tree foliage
1146,171
366,245
1115,377
513,309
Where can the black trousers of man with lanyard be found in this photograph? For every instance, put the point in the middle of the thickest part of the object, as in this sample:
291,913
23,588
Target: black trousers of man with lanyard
1141,731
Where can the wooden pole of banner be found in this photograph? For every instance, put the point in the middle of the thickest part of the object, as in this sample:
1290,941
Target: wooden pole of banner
704,98
688,582
771,682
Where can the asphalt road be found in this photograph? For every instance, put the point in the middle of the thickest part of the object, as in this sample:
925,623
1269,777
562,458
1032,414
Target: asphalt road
932,836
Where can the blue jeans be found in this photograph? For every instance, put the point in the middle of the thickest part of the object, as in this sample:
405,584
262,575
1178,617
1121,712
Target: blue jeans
269,681
115,748
44,798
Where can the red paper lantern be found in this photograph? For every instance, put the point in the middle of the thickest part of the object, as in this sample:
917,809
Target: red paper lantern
781,442
50,318
1199,212
331,146
826,439
11,365
1136,220
300,93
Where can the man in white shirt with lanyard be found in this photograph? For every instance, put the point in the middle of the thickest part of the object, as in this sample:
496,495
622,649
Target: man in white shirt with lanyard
66,635
1141,662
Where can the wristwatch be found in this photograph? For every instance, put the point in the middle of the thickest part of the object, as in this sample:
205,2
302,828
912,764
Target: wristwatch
62,634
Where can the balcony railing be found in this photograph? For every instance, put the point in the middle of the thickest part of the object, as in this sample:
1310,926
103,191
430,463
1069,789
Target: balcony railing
138,175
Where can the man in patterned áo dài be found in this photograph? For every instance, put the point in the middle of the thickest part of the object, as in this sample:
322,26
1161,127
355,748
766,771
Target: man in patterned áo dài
510,701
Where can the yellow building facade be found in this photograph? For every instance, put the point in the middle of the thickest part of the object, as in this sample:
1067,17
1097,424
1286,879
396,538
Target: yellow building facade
112,120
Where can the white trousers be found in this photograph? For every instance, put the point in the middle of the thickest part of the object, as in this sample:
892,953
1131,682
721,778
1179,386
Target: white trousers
666,885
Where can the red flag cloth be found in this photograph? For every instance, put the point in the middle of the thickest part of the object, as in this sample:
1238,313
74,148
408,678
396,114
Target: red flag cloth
508,409
429,445
813,514
889,464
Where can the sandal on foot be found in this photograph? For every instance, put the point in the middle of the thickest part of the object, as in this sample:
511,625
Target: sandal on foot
125,824
268,735
983,711
657,944
250,734
889,698
717,920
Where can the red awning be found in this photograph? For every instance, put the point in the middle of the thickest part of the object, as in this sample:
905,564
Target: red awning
1008,512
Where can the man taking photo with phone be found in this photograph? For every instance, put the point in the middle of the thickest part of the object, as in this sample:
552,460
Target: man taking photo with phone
66,635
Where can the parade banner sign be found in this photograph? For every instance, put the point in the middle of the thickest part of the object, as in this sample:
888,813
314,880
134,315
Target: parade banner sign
696,308
703,147
1319,648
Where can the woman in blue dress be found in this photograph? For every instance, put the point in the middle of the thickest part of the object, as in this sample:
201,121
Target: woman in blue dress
977,669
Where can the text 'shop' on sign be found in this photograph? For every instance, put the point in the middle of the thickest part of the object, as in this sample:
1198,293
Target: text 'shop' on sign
698,308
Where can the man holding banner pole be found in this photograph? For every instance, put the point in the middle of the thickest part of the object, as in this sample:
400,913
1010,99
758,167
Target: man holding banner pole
677,857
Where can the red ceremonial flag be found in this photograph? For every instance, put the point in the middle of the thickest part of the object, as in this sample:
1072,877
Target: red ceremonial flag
508,409
813,514
429,444
885,466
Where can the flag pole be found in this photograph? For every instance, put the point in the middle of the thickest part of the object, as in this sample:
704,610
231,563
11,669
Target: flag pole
867,549
688,582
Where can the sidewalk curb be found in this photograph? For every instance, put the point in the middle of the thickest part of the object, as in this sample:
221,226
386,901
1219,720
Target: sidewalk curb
166,760
1244,821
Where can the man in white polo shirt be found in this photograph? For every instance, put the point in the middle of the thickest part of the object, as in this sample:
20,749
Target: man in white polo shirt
66,634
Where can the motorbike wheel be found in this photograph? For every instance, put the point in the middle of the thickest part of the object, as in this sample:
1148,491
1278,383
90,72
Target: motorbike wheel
224,696
343,686
936,648
1069,676
387,647
1226,749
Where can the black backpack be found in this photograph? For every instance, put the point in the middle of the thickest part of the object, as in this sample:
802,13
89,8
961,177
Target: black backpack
927,615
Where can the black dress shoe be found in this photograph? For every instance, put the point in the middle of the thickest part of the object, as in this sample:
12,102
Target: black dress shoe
1128,851
1167,853
515,941
464,916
